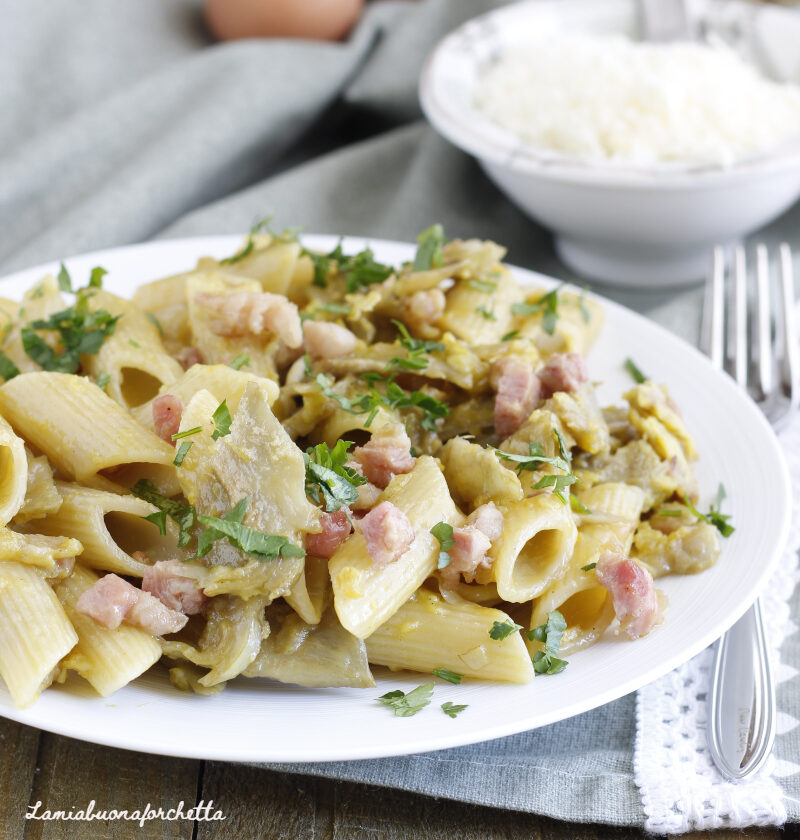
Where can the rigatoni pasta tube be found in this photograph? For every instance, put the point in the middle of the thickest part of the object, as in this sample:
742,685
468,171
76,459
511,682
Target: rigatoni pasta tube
35,633
83,431
109,526
427,632
107,659
366,597
537,540
13,473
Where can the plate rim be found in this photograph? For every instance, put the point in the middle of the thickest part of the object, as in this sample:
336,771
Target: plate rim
464,736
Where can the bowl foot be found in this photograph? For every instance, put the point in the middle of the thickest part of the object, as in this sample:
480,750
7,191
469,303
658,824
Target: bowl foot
644,268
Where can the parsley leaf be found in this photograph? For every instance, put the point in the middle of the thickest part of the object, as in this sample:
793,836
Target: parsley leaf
222,421
444,534
509,336
588,567
536,458
210,535
451,709
634,371
336,308
102,380
183,449
577,506
503,629
182,515
64,279
262,546
193,431
155,322
8,370
714,516
417,348
486,286
546,661
257,227
328,481
547,304
406,705
359,270
487,313
96,278
450,676
585,314
557,482
240,361
429,251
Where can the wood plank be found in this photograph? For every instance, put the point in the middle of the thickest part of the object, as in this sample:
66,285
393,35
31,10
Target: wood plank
72,773
18,747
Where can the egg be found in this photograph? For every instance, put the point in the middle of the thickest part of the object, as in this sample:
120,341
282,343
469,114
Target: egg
322,20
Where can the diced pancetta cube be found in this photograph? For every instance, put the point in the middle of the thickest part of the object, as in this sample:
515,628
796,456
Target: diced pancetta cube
487,518
325,340
167,412
632,591
563,372
385,455
252,313
150,615
108,600
175,589
388,534
518,393
471,546
336,529
188,356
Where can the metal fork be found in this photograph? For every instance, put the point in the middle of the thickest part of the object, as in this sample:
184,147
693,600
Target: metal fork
741,724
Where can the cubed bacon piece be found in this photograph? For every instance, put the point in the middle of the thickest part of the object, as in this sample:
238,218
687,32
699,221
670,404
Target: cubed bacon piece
325,340
472,543
518,393
150,615
167,412
388,534
423,308
188,356
252,313
168,581
108,600
632,591
385,455
487,518
336,529
563,372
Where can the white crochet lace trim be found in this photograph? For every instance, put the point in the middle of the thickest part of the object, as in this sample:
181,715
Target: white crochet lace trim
680,788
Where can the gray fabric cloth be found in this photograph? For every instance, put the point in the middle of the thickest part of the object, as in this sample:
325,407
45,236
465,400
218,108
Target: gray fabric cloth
122,121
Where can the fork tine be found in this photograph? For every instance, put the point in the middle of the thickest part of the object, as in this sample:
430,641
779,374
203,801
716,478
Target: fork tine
738,346
765,356
712,338
791,355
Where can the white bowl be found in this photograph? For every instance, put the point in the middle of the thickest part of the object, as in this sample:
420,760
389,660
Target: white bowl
626,225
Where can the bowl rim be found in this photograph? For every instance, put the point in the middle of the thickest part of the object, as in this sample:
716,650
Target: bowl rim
459,128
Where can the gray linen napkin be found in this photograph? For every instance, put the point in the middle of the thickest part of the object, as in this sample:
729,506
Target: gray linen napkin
120,122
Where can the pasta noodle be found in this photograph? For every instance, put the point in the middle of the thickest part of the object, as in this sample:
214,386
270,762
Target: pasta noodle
295,466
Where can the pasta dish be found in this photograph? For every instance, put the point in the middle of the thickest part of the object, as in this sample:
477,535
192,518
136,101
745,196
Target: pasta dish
297,465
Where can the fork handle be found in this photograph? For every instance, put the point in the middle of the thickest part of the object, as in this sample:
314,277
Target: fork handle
742,703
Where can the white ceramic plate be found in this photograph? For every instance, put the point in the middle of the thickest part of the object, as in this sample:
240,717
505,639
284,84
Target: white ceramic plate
254,720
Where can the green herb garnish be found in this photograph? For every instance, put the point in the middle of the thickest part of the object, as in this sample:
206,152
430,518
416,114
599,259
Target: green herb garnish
329,481
485,286
193,431
64,279
429,251
240,361
406,705
182,515
588,567
155,322
222,421
451,709
102,380
417,348
486,313
8,370
96,277
714,516
444,534
546,661
183,449
450,676
359,271
634,371
336,308
257,227
503,629
547,304
509,336
576,506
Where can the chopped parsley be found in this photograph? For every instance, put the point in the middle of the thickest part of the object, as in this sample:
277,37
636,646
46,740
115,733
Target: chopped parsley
96,276
359,271
193,431
262,546
487,313
634,371
577,506
64,279
134,344
559,483
155,322
585,314
417,348
588,567
257,227
222,421
444,534
336,308
509,336
536,458
503,629
8,370
182,515
429,250
549,634
485,286
102,380
714,516
547,305
79,331
240,361
452,709
406,705
329,481
183,449
209,536
450,676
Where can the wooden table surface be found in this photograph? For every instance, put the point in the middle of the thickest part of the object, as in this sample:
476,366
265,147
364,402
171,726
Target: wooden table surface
65,774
